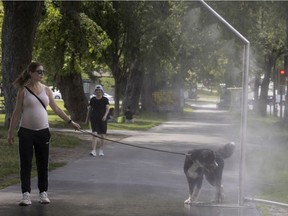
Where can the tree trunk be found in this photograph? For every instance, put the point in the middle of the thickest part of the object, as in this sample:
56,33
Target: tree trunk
71,84
256,92
71,88
262,105
147,104
118,89
134,83
18,33
285,118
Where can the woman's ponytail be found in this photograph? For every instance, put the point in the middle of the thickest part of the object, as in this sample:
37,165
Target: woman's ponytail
22,79
25,76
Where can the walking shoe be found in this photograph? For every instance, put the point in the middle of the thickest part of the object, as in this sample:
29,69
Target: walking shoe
44,198
101,153
25,199
93,153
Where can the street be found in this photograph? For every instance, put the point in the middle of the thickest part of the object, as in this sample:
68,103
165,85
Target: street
134,181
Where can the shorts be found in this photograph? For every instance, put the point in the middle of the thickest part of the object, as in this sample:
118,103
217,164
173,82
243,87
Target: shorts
99,126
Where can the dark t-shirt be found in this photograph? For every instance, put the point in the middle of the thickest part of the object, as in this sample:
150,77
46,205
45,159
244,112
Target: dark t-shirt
98,107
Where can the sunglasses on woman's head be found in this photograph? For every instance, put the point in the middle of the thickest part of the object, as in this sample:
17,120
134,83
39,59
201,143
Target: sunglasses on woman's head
40,71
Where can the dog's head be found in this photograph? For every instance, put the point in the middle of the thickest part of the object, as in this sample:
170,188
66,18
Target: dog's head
227,150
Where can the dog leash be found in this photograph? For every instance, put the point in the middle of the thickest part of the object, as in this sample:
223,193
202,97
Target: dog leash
132,145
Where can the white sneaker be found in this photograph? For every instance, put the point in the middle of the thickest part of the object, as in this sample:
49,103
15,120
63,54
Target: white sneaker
93,153
44,198
25,199
101,153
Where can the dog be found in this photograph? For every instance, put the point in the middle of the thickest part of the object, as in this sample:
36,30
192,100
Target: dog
206,162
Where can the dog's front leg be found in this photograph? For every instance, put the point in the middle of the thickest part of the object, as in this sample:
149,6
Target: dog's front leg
196,194
191,185
194,189
219,194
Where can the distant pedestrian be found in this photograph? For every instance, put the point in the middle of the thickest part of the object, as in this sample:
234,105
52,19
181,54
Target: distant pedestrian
110,117
32,99
99,109
129,115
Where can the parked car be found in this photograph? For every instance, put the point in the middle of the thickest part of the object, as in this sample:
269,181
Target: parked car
57,94
278,98
109,97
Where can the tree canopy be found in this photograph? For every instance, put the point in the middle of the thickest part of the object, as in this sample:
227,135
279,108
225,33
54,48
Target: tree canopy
149,46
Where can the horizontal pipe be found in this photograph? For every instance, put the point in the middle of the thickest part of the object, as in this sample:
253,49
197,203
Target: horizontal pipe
269,202
215,205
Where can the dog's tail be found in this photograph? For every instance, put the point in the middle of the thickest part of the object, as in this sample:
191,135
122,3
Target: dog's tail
227,150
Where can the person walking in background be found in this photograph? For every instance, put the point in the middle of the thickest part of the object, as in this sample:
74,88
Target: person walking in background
129,115
32,99
99,109
110,117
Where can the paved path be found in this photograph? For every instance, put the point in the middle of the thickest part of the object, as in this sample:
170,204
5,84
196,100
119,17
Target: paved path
132,181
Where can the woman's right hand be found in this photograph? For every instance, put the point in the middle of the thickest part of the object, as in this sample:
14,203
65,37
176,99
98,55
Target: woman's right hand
10,139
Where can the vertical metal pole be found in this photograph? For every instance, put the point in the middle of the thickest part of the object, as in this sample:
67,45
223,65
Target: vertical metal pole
243,124
244,100
274,91
281,101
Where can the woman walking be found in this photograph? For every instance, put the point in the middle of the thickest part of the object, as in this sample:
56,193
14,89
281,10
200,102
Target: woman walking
32,99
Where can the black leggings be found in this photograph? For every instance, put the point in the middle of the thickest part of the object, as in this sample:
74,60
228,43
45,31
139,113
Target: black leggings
40,142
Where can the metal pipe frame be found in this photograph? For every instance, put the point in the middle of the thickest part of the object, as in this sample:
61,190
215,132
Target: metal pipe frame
244,101
269,202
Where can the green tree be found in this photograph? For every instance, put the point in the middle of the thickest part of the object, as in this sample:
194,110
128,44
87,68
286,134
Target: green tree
70,43
142,26
1,23
271,44
263,24
106,15
18,33
285,119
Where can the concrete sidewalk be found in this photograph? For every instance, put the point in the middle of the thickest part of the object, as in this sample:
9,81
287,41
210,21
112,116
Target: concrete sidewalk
133,181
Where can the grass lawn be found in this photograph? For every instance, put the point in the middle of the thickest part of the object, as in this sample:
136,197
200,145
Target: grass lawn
9,158
267,160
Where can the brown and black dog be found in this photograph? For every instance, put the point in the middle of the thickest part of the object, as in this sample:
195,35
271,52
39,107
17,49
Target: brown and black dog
206,162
